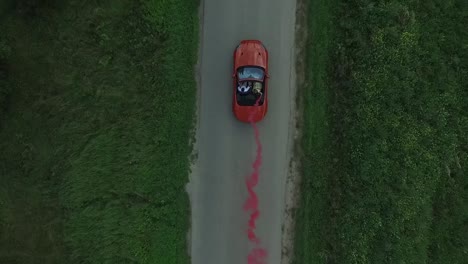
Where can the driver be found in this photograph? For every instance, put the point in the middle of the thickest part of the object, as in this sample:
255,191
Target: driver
243,88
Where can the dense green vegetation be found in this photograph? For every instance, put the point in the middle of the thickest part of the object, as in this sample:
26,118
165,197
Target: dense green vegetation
311,219
385,133
97,102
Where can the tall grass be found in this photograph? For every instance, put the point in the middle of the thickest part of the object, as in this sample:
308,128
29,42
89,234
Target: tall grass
315,138
397,136
96,139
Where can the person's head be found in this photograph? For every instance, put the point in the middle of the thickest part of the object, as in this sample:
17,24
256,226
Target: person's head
256,90
257,87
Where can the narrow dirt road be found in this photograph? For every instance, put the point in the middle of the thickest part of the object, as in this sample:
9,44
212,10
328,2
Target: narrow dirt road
226,147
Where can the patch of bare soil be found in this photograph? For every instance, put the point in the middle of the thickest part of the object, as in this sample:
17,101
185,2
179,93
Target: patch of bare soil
194,139
293,180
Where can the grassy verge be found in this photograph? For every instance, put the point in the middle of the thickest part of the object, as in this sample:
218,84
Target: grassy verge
385,165
315,101
94,137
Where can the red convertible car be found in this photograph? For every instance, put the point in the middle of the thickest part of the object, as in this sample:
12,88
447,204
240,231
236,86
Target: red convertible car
250,102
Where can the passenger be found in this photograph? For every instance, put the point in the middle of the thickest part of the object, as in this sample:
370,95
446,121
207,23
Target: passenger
257,89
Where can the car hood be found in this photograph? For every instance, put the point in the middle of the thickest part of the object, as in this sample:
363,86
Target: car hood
251,53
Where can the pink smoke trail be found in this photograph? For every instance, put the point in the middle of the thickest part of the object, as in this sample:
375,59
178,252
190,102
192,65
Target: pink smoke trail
257,254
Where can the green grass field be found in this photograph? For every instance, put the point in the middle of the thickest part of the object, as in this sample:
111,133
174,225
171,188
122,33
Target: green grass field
385,143
97,103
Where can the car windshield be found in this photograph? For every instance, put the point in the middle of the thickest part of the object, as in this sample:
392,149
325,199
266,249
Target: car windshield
250,73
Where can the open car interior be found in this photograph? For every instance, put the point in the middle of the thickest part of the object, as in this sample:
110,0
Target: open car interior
250,98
